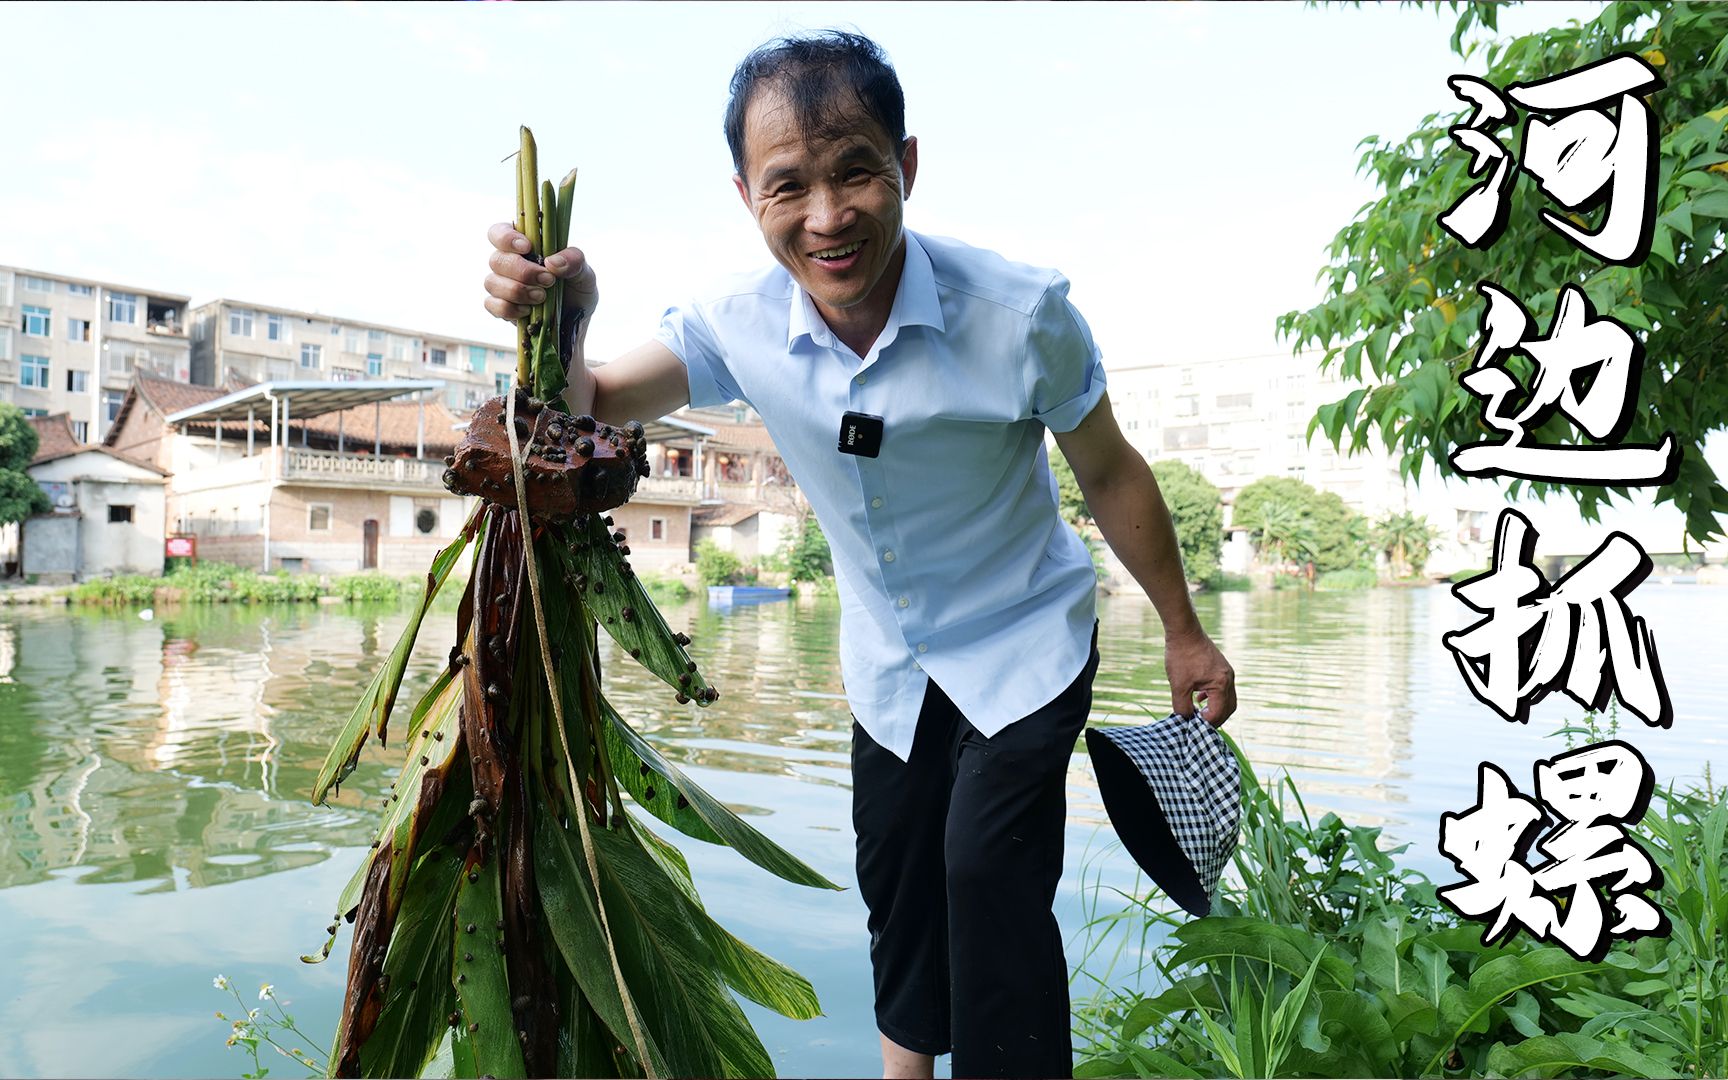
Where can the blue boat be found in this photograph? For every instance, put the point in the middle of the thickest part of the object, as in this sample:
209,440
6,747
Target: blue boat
725,596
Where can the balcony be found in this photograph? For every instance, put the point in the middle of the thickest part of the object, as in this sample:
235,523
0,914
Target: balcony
681,490
357,471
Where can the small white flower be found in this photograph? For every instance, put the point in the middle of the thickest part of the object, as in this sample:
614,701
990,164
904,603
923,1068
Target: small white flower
220,982
266,992
251,1014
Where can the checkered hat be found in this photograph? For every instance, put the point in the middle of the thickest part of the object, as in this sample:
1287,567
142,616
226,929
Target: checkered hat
1174,794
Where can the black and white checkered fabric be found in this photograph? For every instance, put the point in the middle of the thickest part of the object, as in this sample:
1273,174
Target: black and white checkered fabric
1197,783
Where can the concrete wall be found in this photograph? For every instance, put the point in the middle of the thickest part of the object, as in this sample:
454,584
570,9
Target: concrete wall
51,546
646,553
99,482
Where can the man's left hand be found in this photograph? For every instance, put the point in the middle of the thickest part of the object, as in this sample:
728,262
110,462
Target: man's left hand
1197,670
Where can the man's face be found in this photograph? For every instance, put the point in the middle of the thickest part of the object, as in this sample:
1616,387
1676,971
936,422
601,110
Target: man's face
829,211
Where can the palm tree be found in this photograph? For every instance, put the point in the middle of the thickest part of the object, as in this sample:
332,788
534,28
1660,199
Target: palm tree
1406,538
1285,532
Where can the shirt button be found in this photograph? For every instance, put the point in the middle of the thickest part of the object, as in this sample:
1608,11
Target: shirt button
904,602
887,556
923,647
859,380
876,502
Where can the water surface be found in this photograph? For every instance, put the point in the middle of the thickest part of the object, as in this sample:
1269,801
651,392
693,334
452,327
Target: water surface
156,827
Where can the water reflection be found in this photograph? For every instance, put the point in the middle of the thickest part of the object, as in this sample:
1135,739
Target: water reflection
144,763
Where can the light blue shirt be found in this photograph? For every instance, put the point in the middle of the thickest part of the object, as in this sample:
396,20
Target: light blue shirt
951,561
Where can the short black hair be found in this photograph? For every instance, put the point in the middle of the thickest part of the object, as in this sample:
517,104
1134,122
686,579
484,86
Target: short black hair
819,71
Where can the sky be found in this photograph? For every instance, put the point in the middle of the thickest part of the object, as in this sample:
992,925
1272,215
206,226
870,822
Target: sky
1183,164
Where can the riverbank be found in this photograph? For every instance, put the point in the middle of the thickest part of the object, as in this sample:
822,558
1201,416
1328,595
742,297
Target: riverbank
221,583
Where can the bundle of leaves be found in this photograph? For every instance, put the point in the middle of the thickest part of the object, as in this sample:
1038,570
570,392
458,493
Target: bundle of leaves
514,917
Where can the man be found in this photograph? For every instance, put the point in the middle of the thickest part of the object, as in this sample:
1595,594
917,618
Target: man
968,642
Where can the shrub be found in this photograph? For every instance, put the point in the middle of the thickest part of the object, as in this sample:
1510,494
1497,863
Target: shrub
717,566
1342,580
121,589
807,555
1197,511
664,588
370,586
1220,581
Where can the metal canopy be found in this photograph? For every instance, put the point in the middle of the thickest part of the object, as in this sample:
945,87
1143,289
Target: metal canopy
311,398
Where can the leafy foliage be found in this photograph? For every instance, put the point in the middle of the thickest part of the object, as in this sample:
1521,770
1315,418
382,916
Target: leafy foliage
1402,313
1197,510
20,496
808,557
717,566
1326,958
1290,519
1406,538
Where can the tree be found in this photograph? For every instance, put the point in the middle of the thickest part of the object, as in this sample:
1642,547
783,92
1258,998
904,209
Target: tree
1402,312
1333,528
1406,540
1285,532
808,557
1196,509
1070,502
20,496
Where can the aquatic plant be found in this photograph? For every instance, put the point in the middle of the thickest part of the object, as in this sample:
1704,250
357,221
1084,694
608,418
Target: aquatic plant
513,916
1328,959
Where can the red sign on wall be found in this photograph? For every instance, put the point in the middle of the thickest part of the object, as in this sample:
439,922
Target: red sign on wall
182,547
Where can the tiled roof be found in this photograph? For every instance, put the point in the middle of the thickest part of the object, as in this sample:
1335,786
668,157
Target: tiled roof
57,441
741,436
170,395
54,436
724,514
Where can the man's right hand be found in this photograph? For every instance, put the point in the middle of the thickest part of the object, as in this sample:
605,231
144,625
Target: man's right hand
516,282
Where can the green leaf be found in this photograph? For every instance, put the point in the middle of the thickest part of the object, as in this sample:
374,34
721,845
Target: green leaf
484,995
373,711
728,826
762,979
1217,941
609,592
1549,1055
419,996
567,897
1712,204
1465,1009
1525,1014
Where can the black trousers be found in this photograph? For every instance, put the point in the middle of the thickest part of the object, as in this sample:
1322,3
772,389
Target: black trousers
959,855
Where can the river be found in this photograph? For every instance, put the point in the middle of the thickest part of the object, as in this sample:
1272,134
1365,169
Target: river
157,829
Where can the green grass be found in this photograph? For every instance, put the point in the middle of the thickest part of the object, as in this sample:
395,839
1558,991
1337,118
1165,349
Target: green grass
1342,580
664,588
1219,581
220,583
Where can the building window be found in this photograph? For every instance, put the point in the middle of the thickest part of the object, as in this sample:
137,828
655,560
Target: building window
501,384
77,329
77,382
1188,405
273,328
36,284
1235,401
311,356
374,364
240,323
398,348
34,372
335,328
37,321
345,374
426,521
81,430
5,343
120,513
477,359
438,358
318,517
1185,438
79,290
351,341
656,528
498,355
374,335
35,412
471,398
111,402
123,308
291,564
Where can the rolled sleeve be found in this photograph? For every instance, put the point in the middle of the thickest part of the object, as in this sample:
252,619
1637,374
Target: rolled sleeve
1064,368
687,334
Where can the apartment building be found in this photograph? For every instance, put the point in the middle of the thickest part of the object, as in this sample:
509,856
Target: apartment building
262,343
1240,419
71,344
